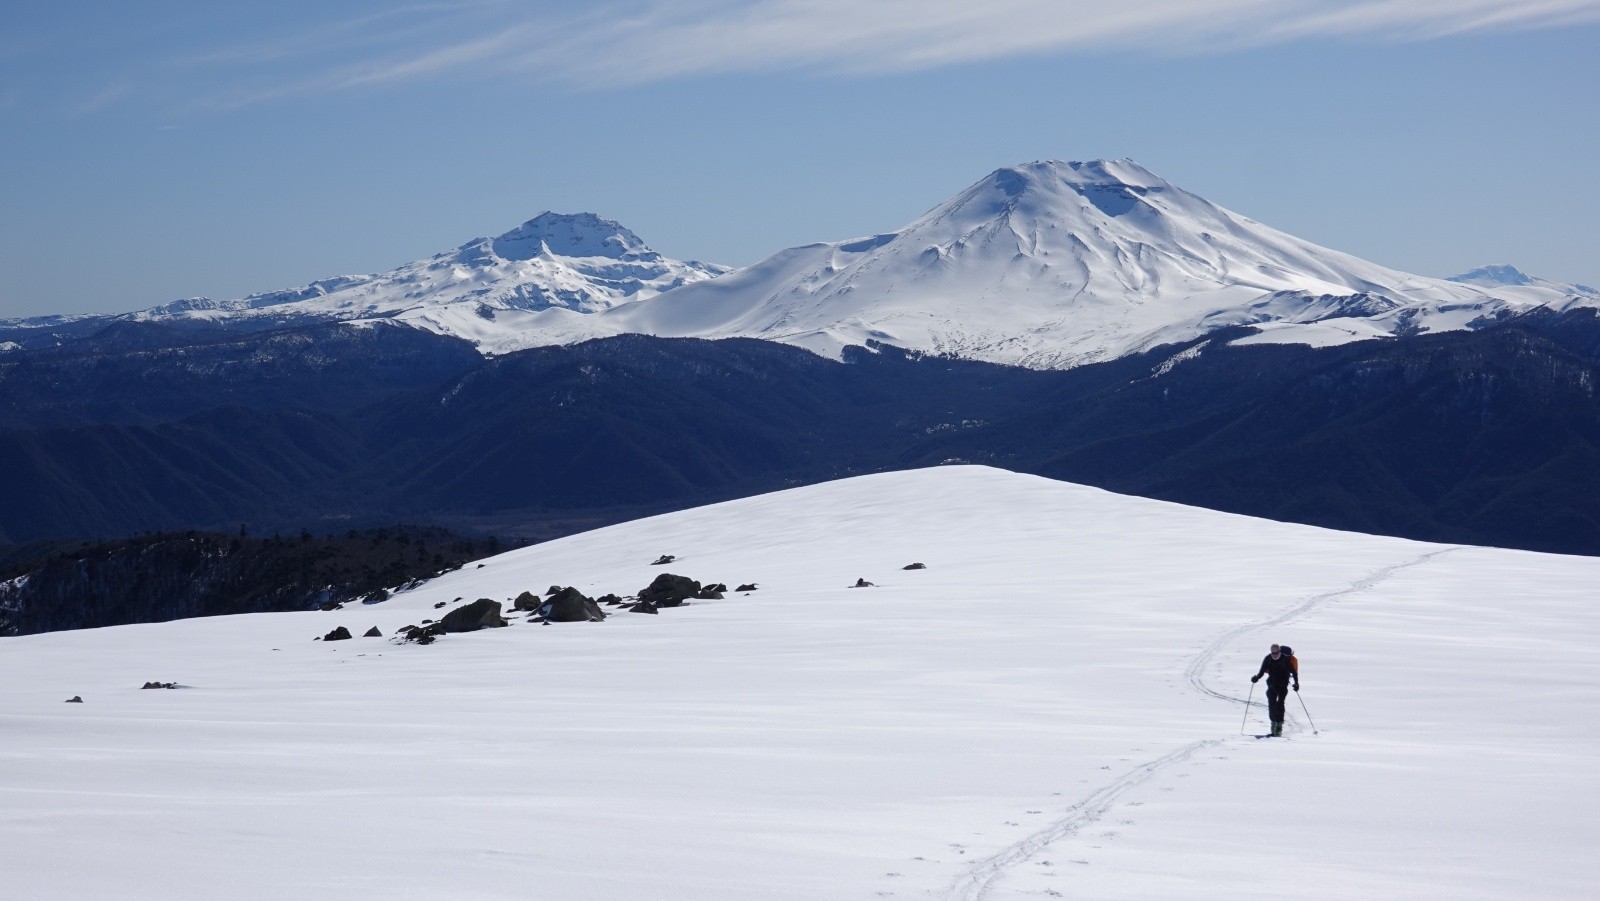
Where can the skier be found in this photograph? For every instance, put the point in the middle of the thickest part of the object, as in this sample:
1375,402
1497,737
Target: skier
1279,669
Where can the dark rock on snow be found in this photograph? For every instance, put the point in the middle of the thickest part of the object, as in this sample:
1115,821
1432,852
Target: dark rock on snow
339,634
372,633
552,590
158,685
916,566
748,586
480,614
526,601
863,583
438,605
75,699
644,607
669,590
420,634
569,605
610,600
663,560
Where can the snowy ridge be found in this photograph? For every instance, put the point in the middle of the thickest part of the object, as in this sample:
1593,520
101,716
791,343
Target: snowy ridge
1050,708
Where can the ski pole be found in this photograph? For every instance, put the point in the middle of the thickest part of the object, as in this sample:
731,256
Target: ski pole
1247,708
1308,715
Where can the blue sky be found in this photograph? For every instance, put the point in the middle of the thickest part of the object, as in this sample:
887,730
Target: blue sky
181,149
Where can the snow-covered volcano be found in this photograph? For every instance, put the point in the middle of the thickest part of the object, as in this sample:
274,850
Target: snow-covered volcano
1503,276
1051,708
1053,264
483,290
1047,264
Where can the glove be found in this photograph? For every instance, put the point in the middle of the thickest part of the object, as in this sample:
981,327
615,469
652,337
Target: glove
1297,686
1256,678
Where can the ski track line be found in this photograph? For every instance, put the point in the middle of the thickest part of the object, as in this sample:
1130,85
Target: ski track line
979,876
1195,673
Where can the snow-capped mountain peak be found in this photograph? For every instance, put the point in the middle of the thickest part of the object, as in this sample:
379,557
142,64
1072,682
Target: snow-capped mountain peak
1055,263
1505,275
571,235
1495,274
1046,264
490,291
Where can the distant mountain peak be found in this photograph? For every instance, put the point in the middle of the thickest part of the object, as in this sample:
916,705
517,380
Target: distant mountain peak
1505,275
575,235
1497,274
1057,263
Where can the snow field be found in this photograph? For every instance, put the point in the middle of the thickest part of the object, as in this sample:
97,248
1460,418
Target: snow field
1015,720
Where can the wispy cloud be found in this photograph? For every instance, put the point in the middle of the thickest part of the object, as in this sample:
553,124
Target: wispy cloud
621,42
111,93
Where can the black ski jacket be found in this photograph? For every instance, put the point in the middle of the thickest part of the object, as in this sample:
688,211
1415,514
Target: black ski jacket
1278,671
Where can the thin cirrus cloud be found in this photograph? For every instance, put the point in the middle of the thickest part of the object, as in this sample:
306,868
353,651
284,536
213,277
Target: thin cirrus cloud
624,42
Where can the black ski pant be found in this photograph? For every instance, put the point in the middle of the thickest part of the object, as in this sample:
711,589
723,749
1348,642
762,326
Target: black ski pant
1276,693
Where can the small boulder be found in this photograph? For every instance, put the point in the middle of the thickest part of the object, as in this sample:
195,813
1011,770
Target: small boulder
663,560
569,605
75,699
480,614
916,566
709,594
420,634
526,601
644,607
158,685
669,590
863,583
610,600
339,634
552,590
438,605
748,586
372,633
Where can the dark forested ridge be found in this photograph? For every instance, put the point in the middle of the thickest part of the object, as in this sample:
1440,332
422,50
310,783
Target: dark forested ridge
154,578
1487,437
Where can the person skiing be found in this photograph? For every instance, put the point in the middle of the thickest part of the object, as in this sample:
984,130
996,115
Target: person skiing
1280,671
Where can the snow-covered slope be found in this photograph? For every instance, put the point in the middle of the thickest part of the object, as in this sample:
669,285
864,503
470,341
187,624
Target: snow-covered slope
1052,707
486,290
1053,264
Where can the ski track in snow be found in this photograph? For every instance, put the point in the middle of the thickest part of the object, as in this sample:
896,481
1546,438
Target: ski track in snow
975,881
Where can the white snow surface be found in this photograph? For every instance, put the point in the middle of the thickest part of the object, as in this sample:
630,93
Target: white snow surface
1053,707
